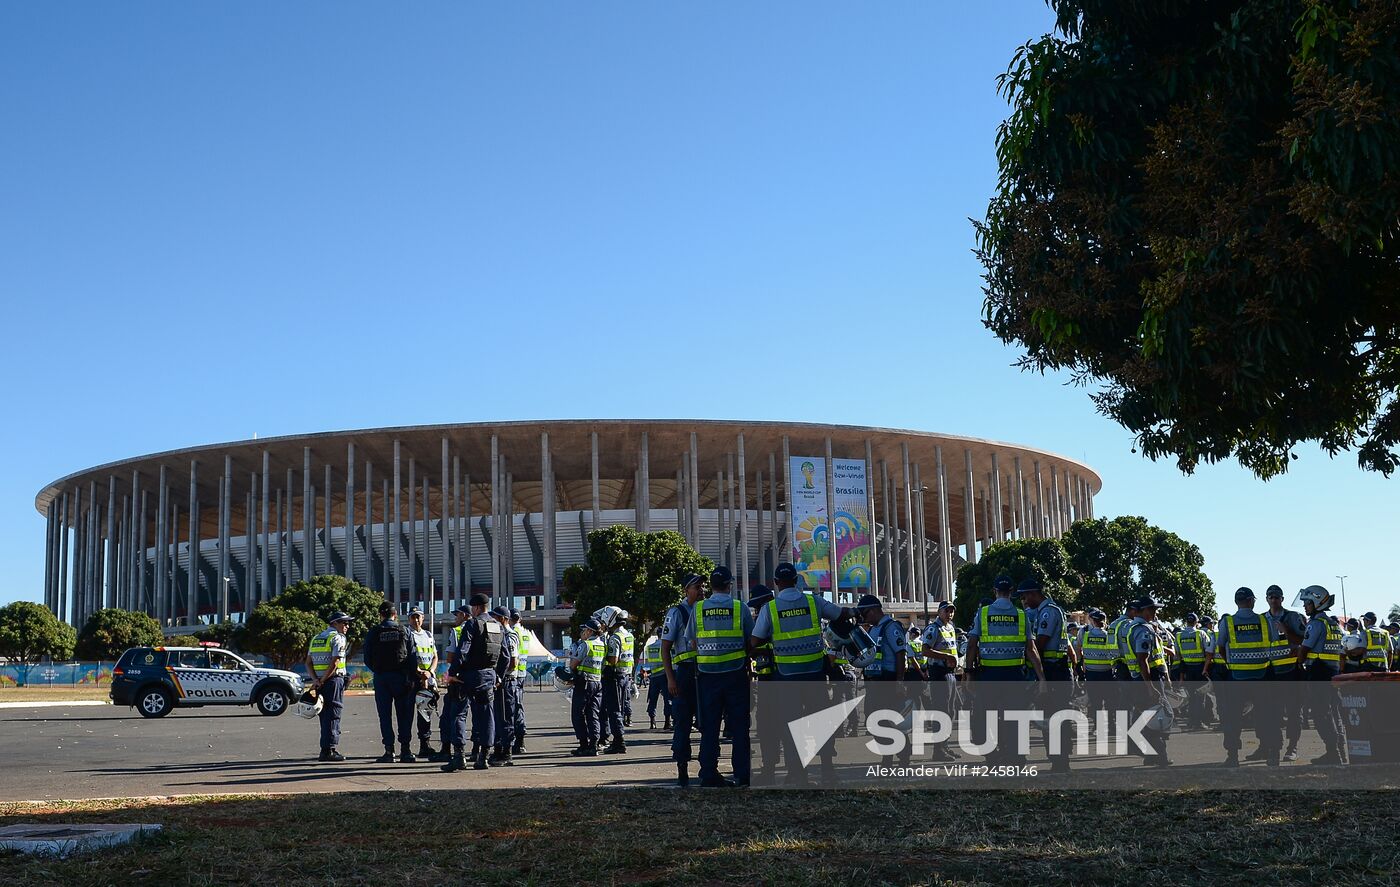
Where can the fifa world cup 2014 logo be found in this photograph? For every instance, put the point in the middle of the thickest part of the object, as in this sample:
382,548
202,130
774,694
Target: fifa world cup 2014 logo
808,471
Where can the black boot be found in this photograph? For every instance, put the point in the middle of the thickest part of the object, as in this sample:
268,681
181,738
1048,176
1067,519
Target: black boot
683,774
668,723
455,761
443,756
480,759
506,759
425,750
653,724
497,755
519,748
387,757
406,756
618,747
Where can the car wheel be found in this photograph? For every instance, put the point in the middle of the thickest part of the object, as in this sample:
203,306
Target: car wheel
154,702
273,702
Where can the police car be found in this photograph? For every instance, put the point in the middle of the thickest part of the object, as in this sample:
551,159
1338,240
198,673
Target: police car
158,679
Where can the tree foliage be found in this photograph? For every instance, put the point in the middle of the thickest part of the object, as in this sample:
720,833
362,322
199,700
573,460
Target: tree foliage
640,572
1197,209
321,596
1044,559
1097,563
109,633
30,633
280,633
1126,557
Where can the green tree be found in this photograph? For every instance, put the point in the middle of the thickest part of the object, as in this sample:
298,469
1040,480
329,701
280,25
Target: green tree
1196,210
30,633
182,640
323,595
1127,557
228,635
109,633
1045,559
280,633
640,572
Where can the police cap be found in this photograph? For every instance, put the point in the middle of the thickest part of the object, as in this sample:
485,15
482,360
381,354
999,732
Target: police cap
339,617
721,577
785,571
759,595
1002,583
386,608
1243,594
479,600
867,602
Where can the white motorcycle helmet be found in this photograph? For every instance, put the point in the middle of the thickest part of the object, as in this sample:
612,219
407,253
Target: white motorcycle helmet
857,645
424,700
1316,595
1161,720
309,705
609,616
1353,642
562,683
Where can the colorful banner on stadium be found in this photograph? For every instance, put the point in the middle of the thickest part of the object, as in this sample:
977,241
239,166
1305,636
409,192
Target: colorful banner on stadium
811,536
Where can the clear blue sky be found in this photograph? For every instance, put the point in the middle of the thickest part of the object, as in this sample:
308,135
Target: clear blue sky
222,219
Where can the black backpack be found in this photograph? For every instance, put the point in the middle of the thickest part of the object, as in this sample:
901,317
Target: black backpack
390,648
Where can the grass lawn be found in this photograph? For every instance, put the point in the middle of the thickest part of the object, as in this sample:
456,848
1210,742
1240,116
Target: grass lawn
666,837
42,693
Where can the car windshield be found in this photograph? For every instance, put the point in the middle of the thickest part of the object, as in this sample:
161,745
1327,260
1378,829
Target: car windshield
193,659
225,661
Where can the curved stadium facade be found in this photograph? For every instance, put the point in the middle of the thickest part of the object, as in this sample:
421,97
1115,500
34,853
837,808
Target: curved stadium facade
431,514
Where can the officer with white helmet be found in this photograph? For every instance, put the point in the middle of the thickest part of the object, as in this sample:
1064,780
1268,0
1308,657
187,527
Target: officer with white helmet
325,662
1353,647
792,621
1321,657
614,679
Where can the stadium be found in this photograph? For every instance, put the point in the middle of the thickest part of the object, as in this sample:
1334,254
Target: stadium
431,514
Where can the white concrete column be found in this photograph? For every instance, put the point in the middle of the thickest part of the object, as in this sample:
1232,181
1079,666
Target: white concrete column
970,508
743,502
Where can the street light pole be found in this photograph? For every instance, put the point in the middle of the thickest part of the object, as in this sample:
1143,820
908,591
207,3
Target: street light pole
1343,580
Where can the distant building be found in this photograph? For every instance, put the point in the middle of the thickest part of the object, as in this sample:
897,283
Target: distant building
406,510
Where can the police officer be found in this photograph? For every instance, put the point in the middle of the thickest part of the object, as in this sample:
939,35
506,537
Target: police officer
472,676
325,662
1321,656
586,661
1190,666
1099,651
891,650
940,644
1377,644
1047,620
425,651
1392,628
615,684
522,675
388,653
626,664
678,663
1289,628
792,622
506,693
1120,629
721,630
764,671
453,704
1244,642
656,684
1150,669
1000,645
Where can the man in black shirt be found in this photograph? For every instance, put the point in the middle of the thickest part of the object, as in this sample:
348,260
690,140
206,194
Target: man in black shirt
389,653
